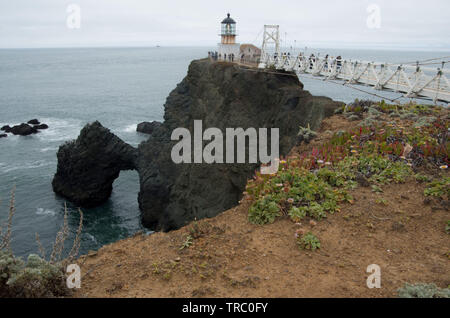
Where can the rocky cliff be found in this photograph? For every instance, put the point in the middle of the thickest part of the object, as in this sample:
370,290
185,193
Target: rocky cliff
222,95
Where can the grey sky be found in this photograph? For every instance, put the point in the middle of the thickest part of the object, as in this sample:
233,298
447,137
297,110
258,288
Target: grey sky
409,24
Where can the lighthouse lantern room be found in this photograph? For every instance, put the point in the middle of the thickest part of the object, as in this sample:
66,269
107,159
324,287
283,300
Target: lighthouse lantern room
228,48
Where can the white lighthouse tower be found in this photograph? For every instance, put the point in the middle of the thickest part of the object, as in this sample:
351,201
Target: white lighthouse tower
228,47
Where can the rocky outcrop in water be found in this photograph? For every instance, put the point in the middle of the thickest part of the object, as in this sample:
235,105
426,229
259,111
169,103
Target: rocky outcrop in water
6,128
222,95
147,127
41,126
88,166
33,122
23,130
32,127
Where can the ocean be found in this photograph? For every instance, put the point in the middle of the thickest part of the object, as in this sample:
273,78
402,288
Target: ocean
120,87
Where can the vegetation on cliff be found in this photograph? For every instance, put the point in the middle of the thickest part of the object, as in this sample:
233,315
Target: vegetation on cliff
36,277
315,183
356,194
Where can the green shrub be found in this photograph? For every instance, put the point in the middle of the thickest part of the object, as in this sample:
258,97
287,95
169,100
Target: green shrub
422,178
439,188
423,291
316,211
37,279
306,134
297,214
308,242
264,211
9,266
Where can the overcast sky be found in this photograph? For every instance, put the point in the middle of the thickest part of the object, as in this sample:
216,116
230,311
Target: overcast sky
408,24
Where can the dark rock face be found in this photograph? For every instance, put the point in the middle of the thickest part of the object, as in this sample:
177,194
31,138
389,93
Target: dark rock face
41,126
34,122
222,95
147,127
6,128
3,135
88,166
23,130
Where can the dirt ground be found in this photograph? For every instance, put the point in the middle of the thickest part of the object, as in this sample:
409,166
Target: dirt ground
398,230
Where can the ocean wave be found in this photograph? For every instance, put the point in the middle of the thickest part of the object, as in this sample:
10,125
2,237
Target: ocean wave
25,166
91,237
42,211
134,144
49,149
130,128
60,129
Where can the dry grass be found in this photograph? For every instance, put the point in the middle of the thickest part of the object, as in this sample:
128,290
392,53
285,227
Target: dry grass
40,246
77,241
5,239
36,277
61,236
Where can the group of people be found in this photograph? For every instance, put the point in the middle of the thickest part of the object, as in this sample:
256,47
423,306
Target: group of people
329,61
217,56
332,61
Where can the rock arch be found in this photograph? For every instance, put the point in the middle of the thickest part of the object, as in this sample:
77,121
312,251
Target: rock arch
88,166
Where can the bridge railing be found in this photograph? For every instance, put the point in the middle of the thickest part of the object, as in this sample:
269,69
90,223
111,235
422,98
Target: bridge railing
412,81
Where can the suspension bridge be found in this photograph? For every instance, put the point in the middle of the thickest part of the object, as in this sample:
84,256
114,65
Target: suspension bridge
412,80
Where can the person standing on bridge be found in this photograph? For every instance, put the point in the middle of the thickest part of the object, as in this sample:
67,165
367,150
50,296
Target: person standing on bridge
339,62
312,59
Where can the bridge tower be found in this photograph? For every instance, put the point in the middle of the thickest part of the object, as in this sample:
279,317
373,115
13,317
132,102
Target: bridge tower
271,37
228,46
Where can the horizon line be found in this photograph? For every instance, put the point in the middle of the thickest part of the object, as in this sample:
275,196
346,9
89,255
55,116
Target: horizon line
383,48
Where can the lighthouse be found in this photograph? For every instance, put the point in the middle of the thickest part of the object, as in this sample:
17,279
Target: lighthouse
228,47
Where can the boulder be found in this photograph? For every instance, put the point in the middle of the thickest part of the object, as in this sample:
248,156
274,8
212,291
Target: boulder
41,126
3,135
6,128
148,127
33,122
23,130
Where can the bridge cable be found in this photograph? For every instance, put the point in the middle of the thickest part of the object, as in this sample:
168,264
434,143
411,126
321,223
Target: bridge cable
256,38
427,60
355,88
